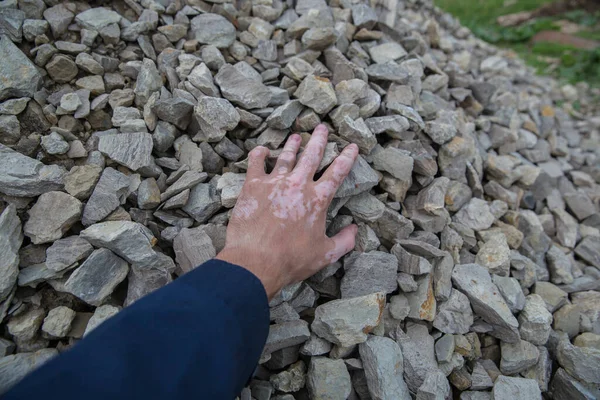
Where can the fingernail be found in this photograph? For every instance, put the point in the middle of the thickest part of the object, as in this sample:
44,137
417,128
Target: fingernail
321,128
352,148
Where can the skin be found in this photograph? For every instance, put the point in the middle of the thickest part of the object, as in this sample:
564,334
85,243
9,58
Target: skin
277,227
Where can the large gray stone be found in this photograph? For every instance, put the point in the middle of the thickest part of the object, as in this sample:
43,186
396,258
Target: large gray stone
419,355
133,150
474,281
16,367
203,202
367,273
241,90
65,252
11,238
23,176
192,247
110,192
348,321
384,368
19,77
328,379
213,29
215,117
580,362
97,277
317,93
517,357
535,321
97,18
51,216
475,214
130,240
509,388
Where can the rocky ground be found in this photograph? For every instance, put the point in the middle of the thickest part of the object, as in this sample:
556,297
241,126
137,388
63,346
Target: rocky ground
124,131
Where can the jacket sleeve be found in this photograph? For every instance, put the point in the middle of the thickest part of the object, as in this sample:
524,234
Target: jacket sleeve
200,337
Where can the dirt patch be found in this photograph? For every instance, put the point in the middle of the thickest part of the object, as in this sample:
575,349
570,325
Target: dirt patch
565,39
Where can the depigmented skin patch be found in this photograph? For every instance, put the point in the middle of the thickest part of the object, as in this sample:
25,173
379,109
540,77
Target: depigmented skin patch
283,213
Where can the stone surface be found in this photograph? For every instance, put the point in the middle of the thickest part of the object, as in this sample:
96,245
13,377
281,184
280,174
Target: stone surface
58,321
14,368
52,215
213,29
18,77
368,273
11,238
535,321
419,355
476,283
328,379
383,365
97,277
65,252
348,321
133,150
506,388
110,192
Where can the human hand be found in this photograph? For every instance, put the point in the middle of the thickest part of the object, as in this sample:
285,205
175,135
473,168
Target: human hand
277,227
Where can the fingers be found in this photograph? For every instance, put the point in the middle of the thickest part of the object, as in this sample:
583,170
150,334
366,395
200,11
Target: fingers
256,162
341,243
313,152
336,173
287,158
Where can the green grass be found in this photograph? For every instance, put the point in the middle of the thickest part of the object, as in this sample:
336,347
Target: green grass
574,65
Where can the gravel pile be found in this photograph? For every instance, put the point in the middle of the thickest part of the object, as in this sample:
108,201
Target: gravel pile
125,128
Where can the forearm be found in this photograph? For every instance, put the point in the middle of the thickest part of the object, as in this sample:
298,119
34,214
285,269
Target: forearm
200,336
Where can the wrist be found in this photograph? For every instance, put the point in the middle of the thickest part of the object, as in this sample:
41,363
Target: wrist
257,263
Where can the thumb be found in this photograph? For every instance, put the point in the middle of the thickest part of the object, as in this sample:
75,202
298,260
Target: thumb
341,243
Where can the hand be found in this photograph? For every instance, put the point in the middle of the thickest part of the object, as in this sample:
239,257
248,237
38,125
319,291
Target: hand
277,227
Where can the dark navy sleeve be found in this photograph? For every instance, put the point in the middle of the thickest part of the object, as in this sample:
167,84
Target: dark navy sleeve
200,337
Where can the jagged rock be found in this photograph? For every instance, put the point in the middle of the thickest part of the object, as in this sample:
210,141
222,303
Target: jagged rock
348,321
58,321
52,215
419,355
14,368
215,117
129,240
383,364
328,379
367,273
101,314
192,247
507,388
241,90
65,252
11,238
133,150
476,283
25,177
454,315
97,277
213,29
580,362
517,357
317,93
19,77
110,192
535,321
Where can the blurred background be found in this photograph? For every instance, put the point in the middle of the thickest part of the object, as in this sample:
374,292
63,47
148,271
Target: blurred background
557,37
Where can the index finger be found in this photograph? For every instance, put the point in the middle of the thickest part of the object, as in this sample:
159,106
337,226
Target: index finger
333,177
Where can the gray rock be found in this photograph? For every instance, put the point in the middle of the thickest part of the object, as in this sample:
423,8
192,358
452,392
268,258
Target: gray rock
511,291
315,346
455,315
284,116
389,71
356,131
559,266
142,281
52,215
19,77
204,201
328,379
23,176
133,150
11,238
542,370
565,387
58,321
202,79
11,23
509,388
186,181
176,110
367,273
399,307
110,192
65,252
385,52
97,18
364,16
192,247
101,314
286,334
348,321
241,90
316,93
129,240
16,367
422,301
588,249
580,362
476,283
383,365
360,179
553,296
97,277
148,195
580,204
215,117
54,144
517,357
213,29
435,386
410,263
495,255
475,214
148,81
535,321
290,380
419,355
